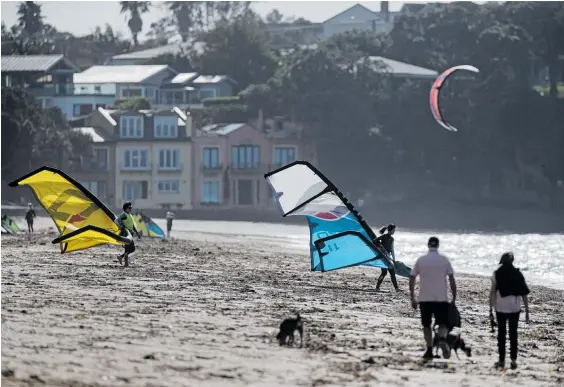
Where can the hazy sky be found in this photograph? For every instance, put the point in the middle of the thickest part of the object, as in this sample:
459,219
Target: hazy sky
81,17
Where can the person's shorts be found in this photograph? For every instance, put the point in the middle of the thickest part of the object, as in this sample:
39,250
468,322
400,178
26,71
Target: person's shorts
439,310
168,226
129,248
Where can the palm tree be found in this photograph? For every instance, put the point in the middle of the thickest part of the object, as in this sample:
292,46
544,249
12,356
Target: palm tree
135,10
30,19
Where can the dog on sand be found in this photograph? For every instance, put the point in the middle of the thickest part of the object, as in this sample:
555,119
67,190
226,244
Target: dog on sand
455,342
287,329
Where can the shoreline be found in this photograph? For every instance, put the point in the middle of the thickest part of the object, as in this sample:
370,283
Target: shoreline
440,217
201,313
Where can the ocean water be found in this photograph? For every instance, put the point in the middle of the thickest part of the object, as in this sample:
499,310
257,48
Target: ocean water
540,257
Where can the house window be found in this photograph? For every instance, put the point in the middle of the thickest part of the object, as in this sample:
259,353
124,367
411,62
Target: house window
284,155
207,93
97,188
210,192
100,159
130,93
133,190
169,186
245,157
131,127
136,159
210,158
169,159
166,127
81,109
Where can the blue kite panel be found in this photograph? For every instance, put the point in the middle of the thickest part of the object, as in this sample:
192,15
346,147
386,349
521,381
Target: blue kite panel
347,250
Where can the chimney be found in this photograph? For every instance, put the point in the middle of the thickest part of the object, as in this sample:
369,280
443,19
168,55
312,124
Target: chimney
385,10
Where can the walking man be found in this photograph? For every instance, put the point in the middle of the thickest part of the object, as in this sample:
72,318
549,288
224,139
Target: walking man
507,290
433,270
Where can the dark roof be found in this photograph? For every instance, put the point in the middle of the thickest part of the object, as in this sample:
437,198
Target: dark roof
33,63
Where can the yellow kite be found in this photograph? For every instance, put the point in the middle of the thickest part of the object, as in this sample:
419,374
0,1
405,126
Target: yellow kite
82,219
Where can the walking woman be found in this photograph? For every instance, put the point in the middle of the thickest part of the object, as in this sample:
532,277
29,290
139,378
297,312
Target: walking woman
386,240
508,288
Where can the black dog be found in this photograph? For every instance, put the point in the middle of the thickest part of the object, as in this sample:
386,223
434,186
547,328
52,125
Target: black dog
287,328
455,342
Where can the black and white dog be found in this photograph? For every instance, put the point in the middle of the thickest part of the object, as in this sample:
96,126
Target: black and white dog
455,342
287,328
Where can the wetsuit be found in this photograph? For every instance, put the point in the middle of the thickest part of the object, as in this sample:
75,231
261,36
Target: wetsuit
125,222
29,215
387,242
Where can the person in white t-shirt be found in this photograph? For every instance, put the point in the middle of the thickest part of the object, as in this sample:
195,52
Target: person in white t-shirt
508,287
433,270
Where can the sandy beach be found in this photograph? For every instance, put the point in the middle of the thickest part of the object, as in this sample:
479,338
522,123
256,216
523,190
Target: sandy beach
200,312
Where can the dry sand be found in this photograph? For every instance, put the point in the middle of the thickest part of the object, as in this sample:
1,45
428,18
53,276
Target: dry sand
192,313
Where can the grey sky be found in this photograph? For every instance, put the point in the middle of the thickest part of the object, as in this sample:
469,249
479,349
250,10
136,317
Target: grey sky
81,17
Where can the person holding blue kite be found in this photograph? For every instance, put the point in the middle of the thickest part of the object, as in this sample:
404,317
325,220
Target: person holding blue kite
386,240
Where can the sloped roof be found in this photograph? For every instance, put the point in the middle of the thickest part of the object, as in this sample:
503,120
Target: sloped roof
96,137
119,74
397,68
183,77
212,79
376,16
222,129
33,63
172,49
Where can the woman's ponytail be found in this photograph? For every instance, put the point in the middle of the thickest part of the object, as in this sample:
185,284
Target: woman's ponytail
383,229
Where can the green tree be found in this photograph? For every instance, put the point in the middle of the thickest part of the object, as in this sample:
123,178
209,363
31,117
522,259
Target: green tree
32,137
237,49
134,104
30,19
135,9
274,17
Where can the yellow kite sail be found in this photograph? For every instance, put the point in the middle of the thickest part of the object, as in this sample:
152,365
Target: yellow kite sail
82,219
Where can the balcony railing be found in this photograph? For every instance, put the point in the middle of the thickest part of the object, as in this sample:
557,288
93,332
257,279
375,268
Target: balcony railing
166,168
130,168
211,168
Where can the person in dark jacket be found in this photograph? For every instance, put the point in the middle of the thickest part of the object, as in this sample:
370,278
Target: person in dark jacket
386,240
29,216
507,290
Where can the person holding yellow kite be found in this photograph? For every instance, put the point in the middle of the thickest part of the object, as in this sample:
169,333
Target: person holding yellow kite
126,225
82,220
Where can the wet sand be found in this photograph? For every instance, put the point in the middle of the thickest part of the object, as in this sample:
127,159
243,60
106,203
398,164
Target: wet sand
203,313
